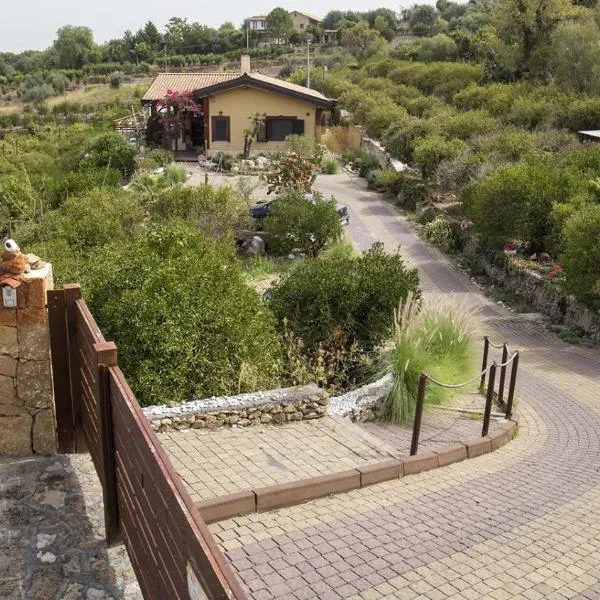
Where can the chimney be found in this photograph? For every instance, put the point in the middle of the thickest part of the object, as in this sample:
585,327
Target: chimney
245,63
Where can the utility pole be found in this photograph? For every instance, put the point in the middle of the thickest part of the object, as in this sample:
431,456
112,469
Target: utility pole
308,63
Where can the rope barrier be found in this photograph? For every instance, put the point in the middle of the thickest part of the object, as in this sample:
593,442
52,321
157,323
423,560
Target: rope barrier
485,371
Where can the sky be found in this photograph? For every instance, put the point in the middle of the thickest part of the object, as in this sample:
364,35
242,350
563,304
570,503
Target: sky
32,24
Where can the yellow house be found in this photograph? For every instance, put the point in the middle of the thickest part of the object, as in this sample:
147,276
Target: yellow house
226,102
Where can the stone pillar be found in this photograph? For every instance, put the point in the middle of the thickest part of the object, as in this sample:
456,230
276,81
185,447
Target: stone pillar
27,418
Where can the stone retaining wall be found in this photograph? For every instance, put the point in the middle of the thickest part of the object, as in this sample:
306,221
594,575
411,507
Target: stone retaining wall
267,407
27,420
562,309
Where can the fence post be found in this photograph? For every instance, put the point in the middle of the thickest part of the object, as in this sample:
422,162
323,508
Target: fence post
63,398
511,387
414,446
106,357
488,400
486,349
502,374
72,294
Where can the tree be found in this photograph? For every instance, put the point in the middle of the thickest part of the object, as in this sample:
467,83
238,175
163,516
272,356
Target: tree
279,24
575,57
361,41
74,46
152,36
530,24
257,120
422,19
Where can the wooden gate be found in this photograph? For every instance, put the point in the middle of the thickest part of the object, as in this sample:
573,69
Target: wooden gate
146,505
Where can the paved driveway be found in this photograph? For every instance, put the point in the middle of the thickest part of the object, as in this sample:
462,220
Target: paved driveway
523,522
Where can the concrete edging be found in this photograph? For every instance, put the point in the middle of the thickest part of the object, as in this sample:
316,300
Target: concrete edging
295,492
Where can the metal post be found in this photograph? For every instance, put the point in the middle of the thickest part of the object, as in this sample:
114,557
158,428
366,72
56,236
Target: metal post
488,401
502,374
414,446
511,387
308,63
486,349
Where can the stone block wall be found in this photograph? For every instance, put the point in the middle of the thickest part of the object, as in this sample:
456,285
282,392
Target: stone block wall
270,407
27,419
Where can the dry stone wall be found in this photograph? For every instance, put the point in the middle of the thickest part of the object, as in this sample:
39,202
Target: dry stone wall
274,407
27,419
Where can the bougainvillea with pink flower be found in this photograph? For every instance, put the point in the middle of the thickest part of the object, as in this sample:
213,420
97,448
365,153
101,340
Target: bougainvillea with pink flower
171,113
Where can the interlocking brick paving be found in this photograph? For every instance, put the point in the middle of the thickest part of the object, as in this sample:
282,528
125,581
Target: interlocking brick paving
227,460
523,522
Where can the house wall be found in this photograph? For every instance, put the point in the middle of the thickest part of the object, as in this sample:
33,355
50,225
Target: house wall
238,104
301,22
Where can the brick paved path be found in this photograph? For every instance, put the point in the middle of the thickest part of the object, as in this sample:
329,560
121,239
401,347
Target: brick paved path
523,522
223,461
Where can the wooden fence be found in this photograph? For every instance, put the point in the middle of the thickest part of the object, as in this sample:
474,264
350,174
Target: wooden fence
146,505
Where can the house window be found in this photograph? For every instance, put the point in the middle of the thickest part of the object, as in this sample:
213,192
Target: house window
278,128
301,25
220,129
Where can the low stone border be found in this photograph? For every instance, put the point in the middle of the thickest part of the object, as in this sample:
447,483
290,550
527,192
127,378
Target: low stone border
295,492
277,406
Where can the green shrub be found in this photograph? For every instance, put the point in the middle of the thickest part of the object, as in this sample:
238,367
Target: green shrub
331,166
412,191
115,79
430,151
156,158
516,203
110,150
223,161
455,173
440,233
388,179
185,322
466,124
216,211
399,139
435,338
364,163
296,224
75,183
344,300
581,257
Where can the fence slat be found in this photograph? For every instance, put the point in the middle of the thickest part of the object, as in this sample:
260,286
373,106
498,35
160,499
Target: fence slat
106,356
63,398
72,294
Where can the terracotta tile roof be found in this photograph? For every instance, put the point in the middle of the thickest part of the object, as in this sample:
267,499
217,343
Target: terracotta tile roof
312,17
183,82
300,89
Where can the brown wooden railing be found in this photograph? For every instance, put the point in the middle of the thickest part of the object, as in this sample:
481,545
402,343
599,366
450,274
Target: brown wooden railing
146,505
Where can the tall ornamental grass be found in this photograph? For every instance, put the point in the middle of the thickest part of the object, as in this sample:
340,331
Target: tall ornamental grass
435,336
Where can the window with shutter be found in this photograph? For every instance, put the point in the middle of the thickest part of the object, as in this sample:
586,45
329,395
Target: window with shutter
278,128
220,129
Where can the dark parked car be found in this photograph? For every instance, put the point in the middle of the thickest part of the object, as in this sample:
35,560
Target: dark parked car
261,209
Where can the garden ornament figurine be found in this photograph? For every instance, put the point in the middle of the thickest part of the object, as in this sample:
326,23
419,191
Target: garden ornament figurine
14,263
